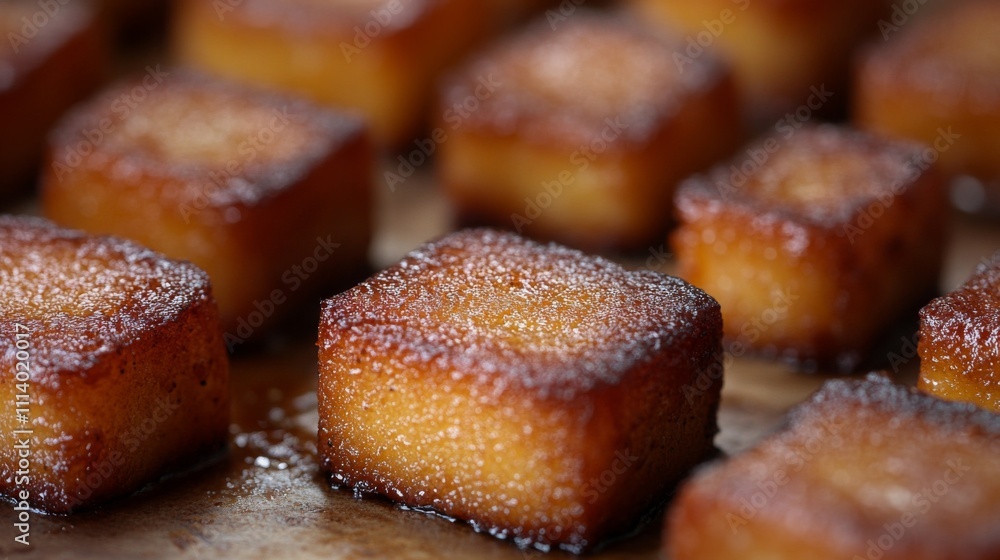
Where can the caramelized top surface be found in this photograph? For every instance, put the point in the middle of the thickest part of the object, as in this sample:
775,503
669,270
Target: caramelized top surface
966,322
863,453
509,311
589,69
245,143
952,56
81,297
19,52
822,175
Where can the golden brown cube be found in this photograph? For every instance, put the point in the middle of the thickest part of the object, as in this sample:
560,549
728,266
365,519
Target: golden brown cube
50,57
269,194
378,57
864,470
779,48
545,396
580,133
815,245
938,82
959,348
115,372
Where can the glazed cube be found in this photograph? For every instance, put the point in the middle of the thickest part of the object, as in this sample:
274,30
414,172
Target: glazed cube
545,396
51,58
959,353
779,49
375,56
865,469
580,134
116,372
815,246
269,194
937,81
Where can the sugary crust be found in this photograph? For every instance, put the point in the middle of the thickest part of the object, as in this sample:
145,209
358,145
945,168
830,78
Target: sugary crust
168,137
561,86
497,380
813,253
960,338
61,283
128,373
857,459
849,171
507,312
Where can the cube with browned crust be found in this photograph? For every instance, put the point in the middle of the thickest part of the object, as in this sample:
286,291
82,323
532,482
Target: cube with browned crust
271,195
115,372
376,56
937,81
50,58
816,245
864,470
779,48
578,132
545,396
960,340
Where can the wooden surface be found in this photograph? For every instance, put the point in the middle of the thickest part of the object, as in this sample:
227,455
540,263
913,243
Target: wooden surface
267,499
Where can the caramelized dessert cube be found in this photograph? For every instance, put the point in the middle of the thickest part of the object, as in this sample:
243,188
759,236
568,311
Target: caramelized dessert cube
939,83
959,348
269,194
865,469
378,57
816,246
580,134
779,49
49,59
530,389
115,369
